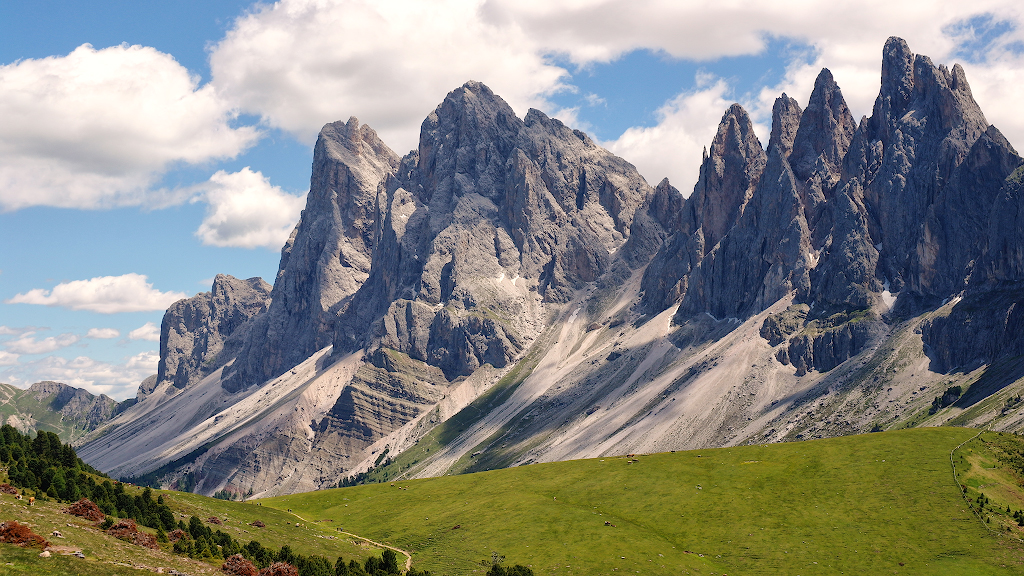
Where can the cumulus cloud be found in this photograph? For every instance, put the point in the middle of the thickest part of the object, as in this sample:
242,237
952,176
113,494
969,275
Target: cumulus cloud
686,124
104,294
117,380
8,359
102,333
95,128
147,331
301,64
27,344
245,210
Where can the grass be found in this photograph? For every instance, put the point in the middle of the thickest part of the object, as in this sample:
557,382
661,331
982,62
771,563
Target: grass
108,556
869,504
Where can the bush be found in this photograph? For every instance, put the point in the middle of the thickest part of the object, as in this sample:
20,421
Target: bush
20,534
279,569
85,508
239,566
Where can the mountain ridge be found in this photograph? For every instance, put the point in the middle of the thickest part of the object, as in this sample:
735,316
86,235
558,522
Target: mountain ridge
514,278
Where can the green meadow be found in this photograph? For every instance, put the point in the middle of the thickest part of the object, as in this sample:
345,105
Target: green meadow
883,503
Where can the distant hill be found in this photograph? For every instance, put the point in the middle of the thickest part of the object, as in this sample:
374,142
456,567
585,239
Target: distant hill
66,411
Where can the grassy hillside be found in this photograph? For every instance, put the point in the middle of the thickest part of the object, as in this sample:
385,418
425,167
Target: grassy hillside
870,504
106,555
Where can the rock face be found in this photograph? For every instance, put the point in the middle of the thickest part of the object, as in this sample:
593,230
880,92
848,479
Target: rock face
841,215
198,335
327,257
816,276
490,219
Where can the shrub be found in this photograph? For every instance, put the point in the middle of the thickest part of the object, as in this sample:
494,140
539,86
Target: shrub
279,569
20,534
85,508
237,565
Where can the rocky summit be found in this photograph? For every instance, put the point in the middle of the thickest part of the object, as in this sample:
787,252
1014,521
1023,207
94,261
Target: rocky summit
511,292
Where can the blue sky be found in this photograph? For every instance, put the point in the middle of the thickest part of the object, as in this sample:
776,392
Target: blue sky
148,146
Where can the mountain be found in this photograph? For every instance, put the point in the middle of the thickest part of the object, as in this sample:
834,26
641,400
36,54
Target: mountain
64,410
510,292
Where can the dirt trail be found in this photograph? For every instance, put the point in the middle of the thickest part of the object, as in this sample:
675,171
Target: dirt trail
408,556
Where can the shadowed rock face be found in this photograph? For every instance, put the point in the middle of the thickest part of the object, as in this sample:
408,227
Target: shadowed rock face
838,210
326,258
200,334
909,157
728,175
490,218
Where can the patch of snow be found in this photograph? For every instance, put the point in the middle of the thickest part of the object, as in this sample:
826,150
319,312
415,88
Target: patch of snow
502,277
514,278
888,298
572,317
878,246
712,317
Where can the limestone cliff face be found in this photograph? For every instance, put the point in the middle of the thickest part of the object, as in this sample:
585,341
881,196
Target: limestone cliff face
729,174
327,257
490,219
198,335
897,237
838,212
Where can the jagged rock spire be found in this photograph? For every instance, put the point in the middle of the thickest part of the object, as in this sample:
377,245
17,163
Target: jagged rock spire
728,175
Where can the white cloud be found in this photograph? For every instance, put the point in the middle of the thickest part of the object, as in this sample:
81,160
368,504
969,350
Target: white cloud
102,333
301,64
104,294
95,128
147,331
686,124
246,211
117,380
10,331
27,344
8,359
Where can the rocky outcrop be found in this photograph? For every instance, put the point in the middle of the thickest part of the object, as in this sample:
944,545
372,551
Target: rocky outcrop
824,343
910,159
729,174
327,257
980,329
200,334
491,218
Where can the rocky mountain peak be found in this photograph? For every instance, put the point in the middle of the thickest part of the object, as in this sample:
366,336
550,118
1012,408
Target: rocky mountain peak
786,114
327,257
897,76
728,175
196,333
826,129
493,212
